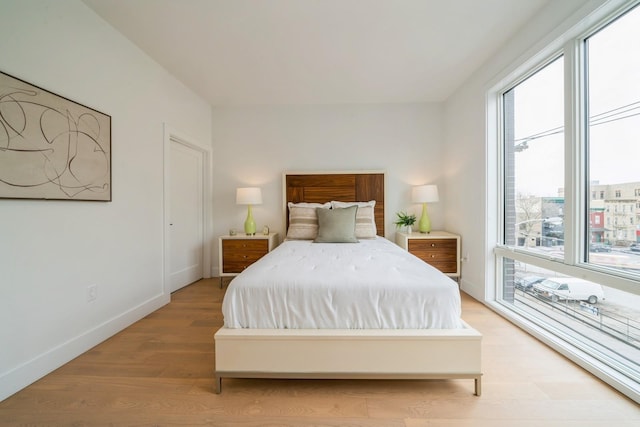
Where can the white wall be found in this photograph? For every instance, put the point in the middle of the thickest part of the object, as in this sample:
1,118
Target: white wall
468,160
253,146
50,251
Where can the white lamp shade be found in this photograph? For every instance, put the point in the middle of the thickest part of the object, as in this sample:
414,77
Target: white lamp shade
248,196
424,194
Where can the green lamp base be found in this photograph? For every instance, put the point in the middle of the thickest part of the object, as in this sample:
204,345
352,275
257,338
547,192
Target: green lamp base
249,224
424,225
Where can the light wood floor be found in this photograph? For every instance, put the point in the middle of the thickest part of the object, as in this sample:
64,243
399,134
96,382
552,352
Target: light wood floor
159,371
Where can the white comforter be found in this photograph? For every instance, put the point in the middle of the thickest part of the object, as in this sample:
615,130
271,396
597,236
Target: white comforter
373,284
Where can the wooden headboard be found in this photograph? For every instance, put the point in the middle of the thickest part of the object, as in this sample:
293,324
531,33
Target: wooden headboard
341,186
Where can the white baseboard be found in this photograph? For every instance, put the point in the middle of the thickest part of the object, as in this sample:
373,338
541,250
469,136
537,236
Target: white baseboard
473,291
34,369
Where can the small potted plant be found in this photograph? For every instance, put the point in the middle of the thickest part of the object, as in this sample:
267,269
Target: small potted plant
405,221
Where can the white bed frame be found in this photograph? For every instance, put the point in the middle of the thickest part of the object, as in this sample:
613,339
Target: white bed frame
348,353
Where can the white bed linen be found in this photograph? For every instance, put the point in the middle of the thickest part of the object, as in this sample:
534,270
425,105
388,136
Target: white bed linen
373,284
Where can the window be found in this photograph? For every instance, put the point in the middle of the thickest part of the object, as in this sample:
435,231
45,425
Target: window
534,162
613,104
552,228
603,327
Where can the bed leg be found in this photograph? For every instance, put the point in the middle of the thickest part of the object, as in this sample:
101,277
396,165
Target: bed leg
218,385
478,386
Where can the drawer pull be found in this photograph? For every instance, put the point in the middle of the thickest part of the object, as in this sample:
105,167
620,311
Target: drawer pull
433,256
433,245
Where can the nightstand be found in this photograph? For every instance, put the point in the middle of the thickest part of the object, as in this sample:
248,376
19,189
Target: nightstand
441,249
235,253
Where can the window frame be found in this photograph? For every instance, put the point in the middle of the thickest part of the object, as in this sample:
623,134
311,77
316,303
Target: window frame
571,45
576,191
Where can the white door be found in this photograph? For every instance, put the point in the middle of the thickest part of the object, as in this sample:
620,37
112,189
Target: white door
186,239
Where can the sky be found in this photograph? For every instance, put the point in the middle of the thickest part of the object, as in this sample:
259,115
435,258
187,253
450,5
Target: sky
613,82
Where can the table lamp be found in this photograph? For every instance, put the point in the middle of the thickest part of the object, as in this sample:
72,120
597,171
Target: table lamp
249,196
424,194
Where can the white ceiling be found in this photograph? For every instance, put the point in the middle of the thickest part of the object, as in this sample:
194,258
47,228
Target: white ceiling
235,52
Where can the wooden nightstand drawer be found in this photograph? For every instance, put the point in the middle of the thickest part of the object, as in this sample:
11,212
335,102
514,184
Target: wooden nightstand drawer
442,247
239,254
439,249
440,253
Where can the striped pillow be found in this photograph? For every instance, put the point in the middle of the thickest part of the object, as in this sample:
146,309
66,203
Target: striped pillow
303,220
365,218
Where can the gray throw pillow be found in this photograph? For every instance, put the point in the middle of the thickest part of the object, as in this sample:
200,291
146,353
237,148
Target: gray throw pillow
337,225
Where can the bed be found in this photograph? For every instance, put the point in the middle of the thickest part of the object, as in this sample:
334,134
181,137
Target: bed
296,330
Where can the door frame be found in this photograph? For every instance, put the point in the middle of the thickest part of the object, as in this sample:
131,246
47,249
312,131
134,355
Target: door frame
171,135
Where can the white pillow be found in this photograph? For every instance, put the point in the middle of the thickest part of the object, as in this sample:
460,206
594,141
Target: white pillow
303,220
365,218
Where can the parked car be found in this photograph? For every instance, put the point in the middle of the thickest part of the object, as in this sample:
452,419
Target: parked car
569,288
599,247
526,283
635,247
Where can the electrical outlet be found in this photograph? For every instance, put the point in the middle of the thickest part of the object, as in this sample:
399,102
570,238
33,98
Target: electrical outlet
92,292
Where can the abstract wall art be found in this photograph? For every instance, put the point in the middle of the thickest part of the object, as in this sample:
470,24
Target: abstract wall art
51,147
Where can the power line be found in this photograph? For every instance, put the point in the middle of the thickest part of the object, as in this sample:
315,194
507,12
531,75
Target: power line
595,120
637,103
